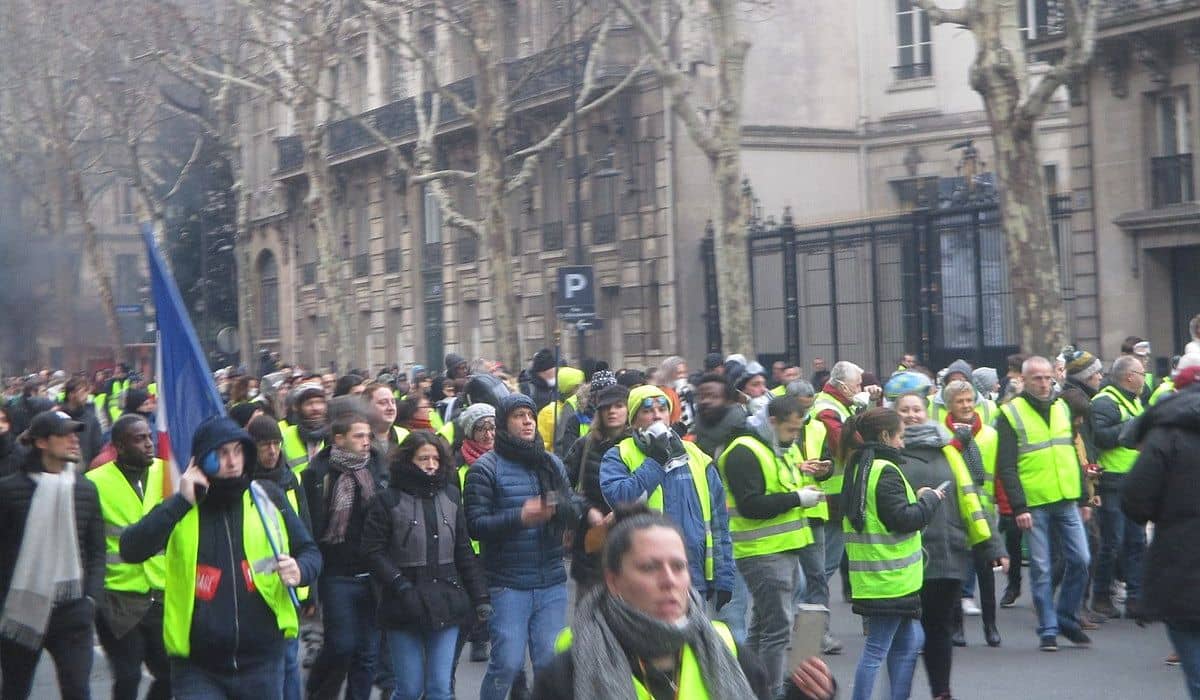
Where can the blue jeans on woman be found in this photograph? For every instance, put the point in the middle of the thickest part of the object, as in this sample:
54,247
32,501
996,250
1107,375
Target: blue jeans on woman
898,639
1185,637
422,661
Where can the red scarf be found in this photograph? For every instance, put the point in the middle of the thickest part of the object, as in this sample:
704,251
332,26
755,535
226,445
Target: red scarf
415,423
472,451
976,426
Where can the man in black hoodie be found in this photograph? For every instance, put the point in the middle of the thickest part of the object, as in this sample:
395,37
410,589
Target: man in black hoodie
76,404
50,576
227,608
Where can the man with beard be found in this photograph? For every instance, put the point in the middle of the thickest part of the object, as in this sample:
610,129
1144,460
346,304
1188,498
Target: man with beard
76,404
51,561
718,415
339,484
307,436
227,613
130,617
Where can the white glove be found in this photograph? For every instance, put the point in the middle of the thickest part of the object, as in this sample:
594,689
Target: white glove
810,496
862,399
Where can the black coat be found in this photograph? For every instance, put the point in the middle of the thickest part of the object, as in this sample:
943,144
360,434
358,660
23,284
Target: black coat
16,494
344,558
91,439
431,596
583,471
1164,488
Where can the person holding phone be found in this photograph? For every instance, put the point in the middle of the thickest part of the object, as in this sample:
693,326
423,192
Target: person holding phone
882,524
230,559
954,534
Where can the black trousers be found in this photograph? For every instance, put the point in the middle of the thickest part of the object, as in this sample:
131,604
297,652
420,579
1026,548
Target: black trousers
68,639
142,644
940,597
1012,542
987,586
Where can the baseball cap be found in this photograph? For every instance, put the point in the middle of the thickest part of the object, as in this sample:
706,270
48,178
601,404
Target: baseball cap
49,423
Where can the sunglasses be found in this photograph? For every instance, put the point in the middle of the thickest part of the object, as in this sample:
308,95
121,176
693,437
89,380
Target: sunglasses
655,401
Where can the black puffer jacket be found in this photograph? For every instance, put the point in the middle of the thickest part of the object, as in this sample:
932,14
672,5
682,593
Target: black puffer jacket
344,558
435,587
1164,488
16,494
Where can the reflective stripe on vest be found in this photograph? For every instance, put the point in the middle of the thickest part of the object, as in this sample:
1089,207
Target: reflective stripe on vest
691,680
462,485
883,564
827,402
295,452
1046,460
698,462
970,505
1165,389
1119,460
120,508
179,600
785,532
815,433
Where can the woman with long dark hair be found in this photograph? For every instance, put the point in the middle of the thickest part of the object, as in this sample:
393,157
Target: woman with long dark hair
883,522
429,583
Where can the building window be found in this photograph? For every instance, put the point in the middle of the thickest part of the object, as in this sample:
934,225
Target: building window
268,294
914,48
433,217
1035,18
1171,165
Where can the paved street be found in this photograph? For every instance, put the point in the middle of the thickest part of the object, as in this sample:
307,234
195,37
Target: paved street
1125,662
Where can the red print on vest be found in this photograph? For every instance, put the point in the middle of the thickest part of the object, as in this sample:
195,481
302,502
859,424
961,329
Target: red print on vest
208,579
248,576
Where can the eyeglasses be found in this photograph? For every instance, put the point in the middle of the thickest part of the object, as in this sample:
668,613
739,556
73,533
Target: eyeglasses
655,401
485,428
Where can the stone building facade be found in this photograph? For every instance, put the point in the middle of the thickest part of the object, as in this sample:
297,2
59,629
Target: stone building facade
851,108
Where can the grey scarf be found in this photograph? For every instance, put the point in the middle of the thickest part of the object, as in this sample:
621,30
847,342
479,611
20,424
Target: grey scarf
970,454
607,631
48,570
925,435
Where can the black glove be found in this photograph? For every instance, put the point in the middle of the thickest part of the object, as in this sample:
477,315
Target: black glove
656,448
723,598
483,611
675,446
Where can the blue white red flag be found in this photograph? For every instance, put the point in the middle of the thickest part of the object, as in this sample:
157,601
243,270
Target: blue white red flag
187,394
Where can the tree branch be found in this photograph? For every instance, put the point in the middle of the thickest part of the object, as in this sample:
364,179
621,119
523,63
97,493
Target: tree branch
1081,45
962,16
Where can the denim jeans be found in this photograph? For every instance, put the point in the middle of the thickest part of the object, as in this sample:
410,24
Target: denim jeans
773,580
1120,539
898,639
293,682
351,645
422,661
1186,640
521,619
1061,518
191,682
735,611
814,586
835,547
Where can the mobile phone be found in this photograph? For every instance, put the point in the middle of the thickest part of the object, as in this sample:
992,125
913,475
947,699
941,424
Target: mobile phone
942,486
807,629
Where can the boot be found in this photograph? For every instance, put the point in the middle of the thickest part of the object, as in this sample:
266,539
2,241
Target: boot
958,638
1102,605
1010,597
991,634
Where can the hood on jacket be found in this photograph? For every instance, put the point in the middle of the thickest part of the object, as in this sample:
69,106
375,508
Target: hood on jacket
217,431
1179,411
960,366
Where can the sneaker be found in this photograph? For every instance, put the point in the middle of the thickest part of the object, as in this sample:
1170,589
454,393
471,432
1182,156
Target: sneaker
1118,591
1048,643
1010,597
1085,623
830,645
1172,660
969,607
1077,637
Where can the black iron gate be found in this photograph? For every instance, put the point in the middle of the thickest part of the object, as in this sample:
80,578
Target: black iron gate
932,282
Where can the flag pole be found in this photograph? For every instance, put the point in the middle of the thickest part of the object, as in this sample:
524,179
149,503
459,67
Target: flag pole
271,540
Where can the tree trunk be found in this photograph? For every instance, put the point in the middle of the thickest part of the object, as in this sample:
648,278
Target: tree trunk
246,292
1000,76
91,248
330,253
733,270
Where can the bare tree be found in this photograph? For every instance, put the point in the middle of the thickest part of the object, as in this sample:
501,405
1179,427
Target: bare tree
714,125
48,119
1014,104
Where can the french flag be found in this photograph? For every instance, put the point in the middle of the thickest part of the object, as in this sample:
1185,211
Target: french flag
186,392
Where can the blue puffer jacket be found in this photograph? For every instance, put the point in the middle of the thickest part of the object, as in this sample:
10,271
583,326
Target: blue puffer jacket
514,556
680,504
